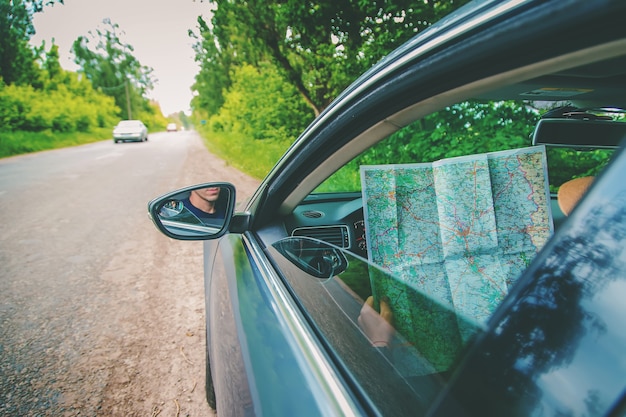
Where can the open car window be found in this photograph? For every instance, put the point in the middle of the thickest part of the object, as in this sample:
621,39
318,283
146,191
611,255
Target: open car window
474,127
481,127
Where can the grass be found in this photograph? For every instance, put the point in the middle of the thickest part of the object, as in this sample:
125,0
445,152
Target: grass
20,142
257,157
251,156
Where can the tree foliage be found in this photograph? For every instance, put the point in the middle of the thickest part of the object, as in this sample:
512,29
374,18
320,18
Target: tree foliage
213,79
16,28
309,50
62,101
274,111
319,47
109,64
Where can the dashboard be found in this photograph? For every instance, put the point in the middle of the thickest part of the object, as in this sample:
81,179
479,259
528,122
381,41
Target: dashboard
335,218
338,219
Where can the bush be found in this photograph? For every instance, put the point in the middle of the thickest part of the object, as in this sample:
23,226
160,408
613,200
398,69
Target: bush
60,109
261,105
12,107
261,117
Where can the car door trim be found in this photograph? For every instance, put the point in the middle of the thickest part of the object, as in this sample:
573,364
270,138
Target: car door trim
325,381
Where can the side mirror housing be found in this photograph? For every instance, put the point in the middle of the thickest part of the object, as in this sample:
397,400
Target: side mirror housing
199,212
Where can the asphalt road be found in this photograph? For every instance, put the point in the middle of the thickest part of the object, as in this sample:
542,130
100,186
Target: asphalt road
100,314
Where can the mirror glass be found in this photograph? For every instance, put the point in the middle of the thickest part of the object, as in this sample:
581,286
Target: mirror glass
195,212
579,134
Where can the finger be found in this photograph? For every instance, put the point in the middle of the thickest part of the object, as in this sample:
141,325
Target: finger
385,311
367,308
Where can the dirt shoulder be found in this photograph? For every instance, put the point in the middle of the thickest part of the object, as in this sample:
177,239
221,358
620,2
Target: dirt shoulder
150,360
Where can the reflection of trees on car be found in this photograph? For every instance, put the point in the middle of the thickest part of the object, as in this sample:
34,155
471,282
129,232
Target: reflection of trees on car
541,334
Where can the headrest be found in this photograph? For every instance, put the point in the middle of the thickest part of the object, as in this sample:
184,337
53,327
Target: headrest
571,191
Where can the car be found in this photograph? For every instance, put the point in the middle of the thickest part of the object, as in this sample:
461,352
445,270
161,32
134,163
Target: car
133,130
172,127
447,238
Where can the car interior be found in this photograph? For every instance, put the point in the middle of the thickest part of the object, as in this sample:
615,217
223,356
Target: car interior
590,98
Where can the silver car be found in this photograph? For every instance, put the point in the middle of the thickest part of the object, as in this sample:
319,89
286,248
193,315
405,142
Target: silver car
133,130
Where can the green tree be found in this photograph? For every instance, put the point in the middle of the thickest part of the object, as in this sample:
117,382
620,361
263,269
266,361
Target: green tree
319,47
51,62
213,79
17,59
111,67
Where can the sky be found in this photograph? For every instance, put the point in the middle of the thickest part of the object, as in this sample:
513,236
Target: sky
157,29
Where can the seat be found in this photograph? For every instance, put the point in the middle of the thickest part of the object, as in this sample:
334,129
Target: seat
571,192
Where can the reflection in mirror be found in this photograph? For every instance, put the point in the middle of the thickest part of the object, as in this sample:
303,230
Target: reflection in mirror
425,341
194,212
313,256
171,208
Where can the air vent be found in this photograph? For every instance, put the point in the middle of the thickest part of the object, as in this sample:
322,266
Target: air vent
335,235
312,214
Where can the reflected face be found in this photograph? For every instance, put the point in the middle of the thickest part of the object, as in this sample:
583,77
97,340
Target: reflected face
210,194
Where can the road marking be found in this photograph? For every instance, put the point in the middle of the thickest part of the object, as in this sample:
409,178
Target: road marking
109,155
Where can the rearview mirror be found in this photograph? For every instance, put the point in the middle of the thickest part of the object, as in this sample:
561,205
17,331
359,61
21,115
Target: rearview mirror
199,212
579,134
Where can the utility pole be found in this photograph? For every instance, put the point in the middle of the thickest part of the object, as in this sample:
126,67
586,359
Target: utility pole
130,116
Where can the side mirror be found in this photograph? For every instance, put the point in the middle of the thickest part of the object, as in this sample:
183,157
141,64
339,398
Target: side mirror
315,257
199,212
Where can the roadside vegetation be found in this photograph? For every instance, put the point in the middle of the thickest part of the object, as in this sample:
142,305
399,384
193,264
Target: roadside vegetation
43,106
21,142
267,69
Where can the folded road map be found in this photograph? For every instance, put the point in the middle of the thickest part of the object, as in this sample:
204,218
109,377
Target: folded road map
455,234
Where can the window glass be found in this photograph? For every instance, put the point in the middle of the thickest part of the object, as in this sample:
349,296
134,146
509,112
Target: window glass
332,285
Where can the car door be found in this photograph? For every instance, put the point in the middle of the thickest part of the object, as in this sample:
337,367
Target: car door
264,357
